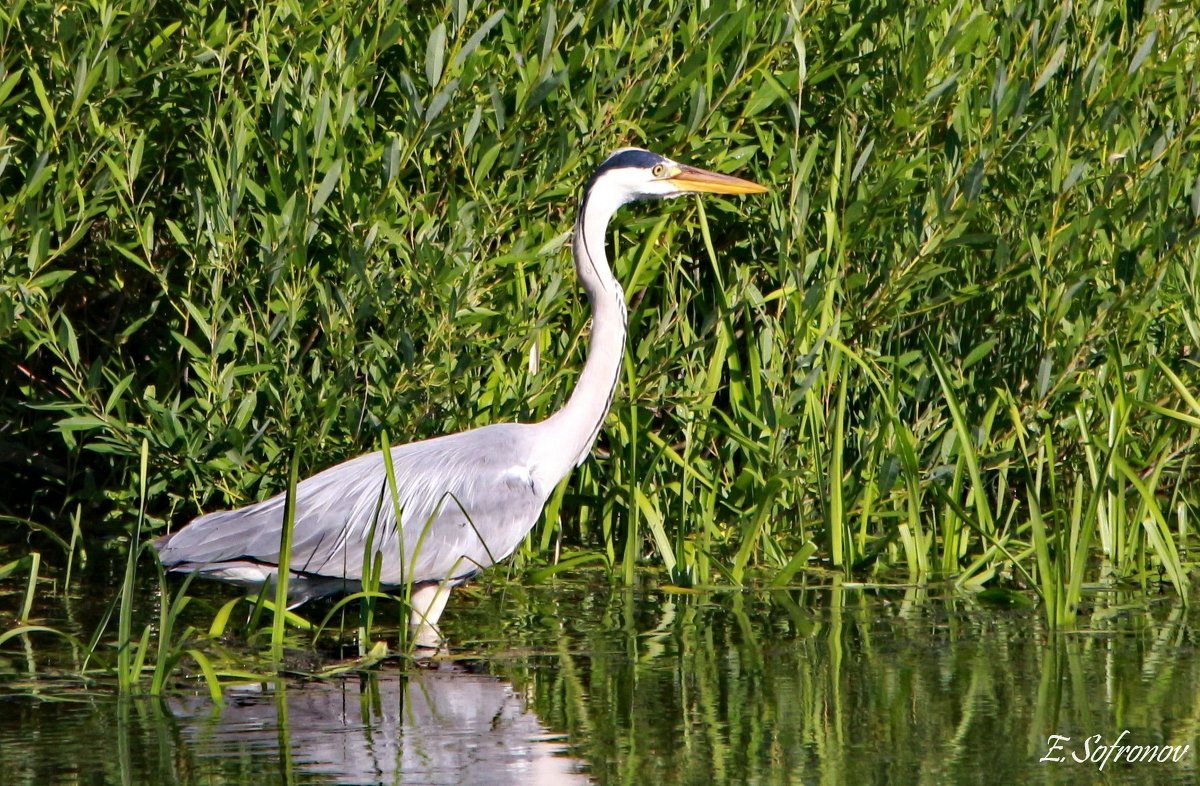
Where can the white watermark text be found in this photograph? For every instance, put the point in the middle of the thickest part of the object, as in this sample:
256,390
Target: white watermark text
1094,750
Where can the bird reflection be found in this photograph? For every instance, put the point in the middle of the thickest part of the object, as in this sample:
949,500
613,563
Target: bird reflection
430,727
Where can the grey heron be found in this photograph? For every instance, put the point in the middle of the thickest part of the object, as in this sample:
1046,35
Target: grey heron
468,499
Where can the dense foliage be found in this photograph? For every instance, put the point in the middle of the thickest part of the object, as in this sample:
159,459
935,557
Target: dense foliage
959,337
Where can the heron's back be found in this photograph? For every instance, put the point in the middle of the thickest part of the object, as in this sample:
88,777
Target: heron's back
466,501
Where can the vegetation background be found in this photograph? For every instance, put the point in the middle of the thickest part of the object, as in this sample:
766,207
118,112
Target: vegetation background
958,340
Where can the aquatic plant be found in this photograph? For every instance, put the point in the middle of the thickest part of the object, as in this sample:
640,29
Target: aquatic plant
959,343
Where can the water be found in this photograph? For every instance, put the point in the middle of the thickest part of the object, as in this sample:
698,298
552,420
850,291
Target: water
580,681
444,727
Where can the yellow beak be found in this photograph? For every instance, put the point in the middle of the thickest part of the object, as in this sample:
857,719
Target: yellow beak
689,178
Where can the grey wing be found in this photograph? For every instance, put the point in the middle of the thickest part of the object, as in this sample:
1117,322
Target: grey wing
466,501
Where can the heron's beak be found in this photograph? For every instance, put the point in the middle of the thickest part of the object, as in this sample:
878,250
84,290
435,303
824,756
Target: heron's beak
690,178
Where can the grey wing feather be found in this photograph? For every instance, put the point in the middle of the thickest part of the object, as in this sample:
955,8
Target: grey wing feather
466,501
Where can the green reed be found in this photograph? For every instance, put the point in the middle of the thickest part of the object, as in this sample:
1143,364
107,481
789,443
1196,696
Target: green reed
131,654
279,616
956,342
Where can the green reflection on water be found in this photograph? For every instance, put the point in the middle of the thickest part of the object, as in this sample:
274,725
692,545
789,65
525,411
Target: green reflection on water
844,686
829,685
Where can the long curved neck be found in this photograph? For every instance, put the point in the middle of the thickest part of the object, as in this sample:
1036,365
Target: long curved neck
576,425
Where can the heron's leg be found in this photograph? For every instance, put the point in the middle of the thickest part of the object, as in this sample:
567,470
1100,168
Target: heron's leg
428,601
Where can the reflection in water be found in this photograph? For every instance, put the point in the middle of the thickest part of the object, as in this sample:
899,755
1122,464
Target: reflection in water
419,727
823,685
841,685
429,727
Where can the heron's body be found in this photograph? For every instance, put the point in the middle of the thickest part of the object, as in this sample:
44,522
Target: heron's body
467,499
503,491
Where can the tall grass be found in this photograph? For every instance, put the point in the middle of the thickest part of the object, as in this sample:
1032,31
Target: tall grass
959,340
285,554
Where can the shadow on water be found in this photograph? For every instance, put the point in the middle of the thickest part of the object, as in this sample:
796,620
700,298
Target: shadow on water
822,685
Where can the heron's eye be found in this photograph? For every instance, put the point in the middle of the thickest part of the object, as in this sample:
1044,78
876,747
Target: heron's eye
658,170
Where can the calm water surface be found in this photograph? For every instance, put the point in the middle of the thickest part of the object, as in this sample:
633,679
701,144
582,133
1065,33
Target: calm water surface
582,682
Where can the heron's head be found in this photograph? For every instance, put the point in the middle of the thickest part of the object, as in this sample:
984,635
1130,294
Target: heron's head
631,174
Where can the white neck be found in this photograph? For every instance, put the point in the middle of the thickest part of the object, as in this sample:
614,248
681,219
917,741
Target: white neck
574,427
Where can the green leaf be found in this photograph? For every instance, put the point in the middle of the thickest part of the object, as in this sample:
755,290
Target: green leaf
435,53
474,41
328,183
654,520
1143,51
440,101
20,564
39,90
979,353
80,423
210,677
1051,67
6,87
